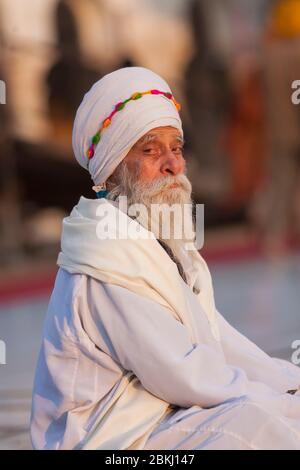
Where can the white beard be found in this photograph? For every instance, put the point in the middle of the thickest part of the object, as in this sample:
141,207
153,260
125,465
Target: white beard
167,212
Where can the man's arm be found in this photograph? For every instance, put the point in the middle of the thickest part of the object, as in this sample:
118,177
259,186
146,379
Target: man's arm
149,341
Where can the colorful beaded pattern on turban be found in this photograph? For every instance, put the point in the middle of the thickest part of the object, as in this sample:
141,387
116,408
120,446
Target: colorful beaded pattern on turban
135,96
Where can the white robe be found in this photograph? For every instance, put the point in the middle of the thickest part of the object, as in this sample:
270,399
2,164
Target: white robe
224,395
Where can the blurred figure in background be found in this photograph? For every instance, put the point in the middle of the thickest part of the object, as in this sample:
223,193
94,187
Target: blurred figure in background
244,140
275,209
208,93
10,223
69,76
225,99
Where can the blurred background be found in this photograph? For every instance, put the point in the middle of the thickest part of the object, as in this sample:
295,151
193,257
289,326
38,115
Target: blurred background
231,64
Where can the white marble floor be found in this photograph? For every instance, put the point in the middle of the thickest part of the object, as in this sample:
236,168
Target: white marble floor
261,299
20,328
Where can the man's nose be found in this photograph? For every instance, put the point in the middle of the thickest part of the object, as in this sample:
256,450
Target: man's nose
173,164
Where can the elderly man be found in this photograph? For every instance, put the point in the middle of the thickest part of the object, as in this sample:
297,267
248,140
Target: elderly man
134,353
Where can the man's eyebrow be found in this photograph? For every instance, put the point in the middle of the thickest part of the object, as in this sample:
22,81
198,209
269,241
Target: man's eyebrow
180,139
151,137
148,138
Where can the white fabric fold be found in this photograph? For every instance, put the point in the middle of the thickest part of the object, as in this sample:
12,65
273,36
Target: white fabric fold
139,264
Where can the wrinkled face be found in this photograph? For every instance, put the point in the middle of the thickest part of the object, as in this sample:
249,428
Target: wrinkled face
153,171
153,175
157,154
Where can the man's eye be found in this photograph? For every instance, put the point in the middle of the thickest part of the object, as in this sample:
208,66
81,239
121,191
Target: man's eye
149,150
178,149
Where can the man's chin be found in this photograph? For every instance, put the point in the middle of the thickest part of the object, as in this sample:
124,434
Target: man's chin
175,185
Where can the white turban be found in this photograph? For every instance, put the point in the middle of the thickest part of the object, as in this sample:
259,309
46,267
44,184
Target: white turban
127,126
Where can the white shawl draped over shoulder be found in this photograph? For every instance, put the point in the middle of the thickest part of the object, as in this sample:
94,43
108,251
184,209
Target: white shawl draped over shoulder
102,249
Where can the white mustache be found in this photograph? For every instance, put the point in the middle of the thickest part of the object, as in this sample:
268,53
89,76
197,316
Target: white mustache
158,190
165,183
